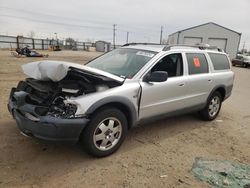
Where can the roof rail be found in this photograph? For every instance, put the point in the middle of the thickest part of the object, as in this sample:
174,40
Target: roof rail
134,43
199,46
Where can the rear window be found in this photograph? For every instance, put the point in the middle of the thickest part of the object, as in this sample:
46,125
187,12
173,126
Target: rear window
197,63
220,61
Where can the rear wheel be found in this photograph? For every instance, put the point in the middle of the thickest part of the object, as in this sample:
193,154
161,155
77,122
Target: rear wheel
212,108
105,132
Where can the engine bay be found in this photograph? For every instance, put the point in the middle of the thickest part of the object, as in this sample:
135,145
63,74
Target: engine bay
49,96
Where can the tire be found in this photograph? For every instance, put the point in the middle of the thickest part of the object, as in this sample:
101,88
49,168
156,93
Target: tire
245,65
212,108
105,132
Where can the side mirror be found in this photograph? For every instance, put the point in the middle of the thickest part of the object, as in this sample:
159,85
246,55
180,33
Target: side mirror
157,76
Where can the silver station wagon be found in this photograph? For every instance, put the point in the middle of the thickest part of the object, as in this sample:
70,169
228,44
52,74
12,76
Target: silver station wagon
97,103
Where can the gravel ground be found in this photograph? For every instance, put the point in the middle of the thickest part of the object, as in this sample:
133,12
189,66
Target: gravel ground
158,154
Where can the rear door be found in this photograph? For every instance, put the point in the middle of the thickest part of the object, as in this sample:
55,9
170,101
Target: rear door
162,97
200,80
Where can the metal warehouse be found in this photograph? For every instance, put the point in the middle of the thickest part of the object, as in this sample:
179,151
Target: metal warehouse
102,46
208,33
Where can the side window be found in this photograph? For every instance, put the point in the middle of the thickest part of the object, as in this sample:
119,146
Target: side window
172,64
197,63
220,61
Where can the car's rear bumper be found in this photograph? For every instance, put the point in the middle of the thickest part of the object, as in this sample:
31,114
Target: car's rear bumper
46,128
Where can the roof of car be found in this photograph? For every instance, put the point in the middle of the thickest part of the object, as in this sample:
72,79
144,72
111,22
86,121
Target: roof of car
159,47
149,47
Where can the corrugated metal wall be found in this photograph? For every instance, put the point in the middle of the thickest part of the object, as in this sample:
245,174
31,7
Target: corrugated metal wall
210,33
12,42
8,42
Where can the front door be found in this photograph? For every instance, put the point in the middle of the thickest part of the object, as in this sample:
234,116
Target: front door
162,97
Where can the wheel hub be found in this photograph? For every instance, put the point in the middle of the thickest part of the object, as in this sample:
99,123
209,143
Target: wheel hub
214,106
107,134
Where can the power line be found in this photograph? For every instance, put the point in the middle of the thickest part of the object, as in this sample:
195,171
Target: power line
139,27
74,19
53,15
67,24
93,27
153,28
55,23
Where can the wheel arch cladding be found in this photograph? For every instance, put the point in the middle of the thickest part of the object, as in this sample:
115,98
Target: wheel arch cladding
122,103
221,89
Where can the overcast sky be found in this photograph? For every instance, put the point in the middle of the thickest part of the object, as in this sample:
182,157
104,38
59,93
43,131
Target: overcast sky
94,19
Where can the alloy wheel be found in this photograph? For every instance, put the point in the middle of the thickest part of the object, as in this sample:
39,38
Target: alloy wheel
214,106
107,134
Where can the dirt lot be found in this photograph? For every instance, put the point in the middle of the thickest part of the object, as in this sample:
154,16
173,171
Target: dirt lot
167,147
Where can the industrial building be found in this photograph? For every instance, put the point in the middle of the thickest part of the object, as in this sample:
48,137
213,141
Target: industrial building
208,33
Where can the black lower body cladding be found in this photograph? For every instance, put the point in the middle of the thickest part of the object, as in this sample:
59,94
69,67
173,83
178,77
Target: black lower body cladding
43,127
50,128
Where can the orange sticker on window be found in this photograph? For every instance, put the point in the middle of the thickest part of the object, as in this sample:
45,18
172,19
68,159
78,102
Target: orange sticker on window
197,62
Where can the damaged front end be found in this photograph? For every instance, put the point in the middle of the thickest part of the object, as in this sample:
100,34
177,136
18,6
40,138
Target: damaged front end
41,108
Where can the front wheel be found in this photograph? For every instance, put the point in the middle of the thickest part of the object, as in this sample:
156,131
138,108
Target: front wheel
105,132
212,108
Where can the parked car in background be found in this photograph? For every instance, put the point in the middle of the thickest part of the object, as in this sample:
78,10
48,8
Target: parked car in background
241,60
98,103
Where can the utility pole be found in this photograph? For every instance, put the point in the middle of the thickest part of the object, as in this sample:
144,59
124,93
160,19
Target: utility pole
114,29
127,37
161,34
243,48
56,39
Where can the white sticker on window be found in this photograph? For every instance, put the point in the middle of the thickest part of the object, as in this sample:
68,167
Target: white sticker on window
147,54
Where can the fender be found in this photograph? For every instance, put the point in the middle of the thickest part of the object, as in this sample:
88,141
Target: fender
116,99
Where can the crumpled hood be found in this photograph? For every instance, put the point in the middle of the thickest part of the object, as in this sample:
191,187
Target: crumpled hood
57,70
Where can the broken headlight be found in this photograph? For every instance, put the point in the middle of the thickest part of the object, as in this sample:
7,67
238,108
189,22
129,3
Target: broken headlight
61,110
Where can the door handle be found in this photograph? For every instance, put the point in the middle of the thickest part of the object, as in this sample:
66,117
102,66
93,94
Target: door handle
210,80
182,84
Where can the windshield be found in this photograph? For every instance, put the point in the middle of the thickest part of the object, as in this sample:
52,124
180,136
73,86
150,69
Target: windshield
123,62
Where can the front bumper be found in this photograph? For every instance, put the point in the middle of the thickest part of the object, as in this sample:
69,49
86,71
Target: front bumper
45,128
